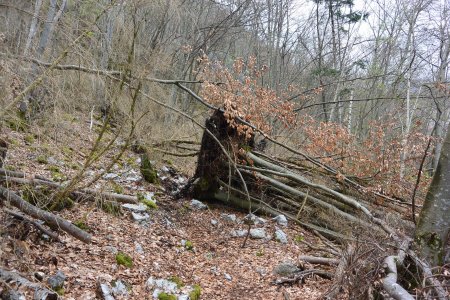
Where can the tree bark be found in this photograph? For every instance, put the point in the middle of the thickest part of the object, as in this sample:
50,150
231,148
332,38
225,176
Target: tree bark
433,226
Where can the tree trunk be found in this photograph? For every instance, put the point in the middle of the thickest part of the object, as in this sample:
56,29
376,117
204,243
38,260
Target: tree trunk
434,221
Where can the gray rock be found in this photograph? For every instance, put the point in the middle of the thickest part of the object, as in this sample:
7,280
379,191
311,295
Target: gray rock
214,222
111,249
183,297
164,285
56,281
253,219
261,271
53,161
229,217
39,275
286,268
132,176
258,233
138,208
255,233
149,196
119,288
227,276
45,237
105,291
281,236
281,220
110,176
12,295
239,233
139,248
195,204
140,217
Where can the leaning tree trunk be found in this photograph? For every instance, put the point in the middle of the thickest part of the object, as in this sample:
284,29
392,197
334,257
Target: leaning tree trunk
433,228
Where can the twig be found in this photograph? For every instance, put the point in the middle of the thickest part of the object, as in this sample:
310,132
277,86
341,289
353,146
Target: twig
419,175
38,226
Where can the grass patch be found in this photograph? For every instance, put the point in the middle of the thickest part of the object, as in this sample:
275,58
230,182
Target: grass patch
124,259
195,293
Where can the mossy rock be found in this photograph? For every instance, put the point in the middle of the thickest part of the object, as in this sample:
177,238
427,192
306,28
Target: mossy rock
124,259
195,293
148,171
165,296
149,203
177,280
188,245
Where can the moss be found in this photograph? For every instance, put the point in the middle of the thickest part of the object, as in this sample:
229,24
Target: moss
165,296
298,239
117,188
56,174
124,259
131,161
60,291
66,150
149,203
148,171
42,159
10,168
82,225
188,245
61,204
195,293
29,139
203,184
260,252
74,166
17,123
177,280
54,169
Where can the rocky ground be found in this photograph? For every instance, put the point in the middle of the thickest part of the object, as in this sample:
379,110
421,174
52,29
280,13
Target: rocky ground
177,247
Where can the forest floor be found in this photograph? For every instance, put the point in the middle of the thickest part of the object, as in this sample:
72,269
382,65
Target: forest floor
217,262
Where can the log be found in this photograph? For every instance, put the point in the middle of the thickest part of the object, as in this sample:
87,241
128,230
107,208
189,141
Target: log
43,215
40,292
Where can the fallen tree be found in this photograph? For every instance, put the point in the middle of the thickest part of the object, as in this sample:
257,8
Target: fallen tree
269,185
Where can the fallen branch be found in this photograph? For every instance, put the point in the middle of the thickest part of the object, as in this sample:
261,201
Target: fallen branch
38,226
46,216
340,272
40,292
319,260
390,284
300,276
76,195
